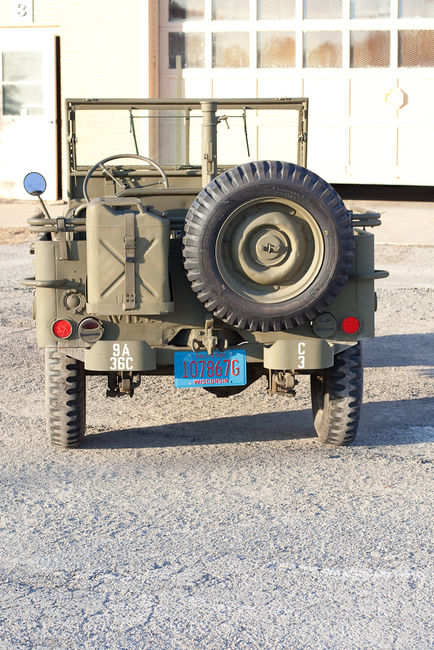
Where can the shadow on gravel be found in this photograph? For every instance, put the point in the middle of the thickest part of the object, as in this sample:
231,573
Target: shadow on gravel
286,425
382,423
399,350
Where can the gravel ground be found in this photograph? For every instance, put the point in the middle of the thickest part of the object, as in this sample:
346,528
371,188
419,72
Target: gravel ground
186,521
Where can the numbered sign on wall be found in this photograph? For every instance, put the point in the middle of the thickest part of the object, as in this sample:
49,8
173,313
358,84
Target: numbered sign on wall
21,11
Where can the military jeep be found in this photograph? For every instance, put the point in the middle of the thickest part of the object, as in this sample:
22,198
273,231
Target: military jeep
205,250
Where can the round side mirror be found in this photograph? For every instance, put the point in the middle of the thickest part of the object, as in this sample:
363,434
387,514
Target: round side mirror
34,183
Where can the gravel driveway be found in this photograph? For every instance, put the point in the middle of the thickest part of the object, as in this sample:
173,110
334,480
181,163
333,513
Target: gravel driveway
187,521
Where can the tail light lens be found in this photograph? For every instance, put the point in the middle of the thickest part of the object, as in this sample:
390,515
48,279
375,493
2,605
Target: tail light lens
90,330
62,329
89,324
350,325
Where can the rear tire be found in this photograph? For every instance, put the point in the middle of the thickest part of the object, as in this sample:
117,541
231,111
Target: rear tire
337,398
65,390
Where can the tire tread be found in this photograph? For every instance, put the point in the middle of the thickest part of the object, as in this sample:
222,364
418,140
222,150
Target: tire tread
219,190
65,390
337,395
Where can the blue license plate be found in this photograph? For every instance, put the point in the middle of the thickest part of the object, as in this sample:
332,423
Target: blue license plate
226,368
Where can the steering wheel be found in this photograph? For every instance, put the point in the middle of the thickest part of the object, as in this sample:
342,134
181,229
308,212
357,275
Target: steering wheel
123,185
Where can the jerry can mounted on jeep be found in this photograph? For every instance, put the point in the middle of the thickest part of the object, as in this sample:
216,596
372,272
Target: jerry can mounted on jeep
217,258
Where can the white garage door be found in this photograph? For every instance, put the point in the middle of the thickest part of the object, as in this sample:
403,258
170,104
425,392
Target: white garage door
367,67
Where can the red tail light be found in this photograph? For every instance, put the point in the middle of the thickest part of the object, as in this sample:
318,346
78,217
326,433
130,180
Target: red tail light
350,325
62,329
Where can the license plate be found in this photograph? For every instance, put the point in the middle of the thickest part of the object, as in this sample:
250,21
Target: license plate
226,368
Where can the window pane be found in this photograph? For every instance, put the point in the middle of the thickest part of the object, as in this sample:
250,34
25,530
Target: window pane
22,100
322,50
322,9
190,47
22,66
370,49
230,9
370,8
276,49
230,50
185,9
416,9
276,9
416,48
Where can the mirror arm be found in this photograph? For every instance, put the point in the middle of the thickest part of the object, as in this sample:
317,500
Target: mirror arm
44,208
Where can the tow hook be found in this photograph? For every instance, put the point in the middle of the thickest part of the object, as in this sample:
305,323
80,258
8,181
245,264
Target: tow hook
206,339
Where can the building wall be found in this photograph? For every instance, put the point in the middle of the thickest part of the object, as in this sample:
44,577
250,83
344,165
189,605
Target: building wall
370,109
103,53
103,45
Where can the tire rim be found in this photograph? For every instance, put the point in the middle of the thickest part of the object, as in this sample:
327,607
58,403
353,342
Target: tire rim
269,250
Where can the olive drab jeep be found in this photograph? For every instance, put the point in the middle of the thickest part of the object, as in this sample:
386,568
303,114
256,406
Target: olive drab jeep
204,250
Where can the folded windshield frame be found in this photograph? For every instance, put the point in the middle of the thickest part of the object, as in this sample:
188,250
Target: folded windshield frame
211,111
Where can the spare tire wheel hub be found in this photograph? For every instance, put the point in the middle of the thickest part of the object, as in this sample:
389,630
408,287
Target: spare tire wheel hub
269,250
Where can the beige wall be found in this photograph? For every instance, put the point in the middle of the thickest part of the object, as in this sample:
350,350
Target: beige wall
103,53
104,48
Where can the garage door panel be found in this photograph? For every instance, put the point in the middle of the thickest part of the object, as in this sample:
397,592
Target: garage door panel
372,151
328,100
368,101
327,148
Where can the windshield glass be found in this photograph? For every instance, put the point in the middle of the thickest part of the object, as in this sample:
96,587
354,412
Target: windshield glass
172,136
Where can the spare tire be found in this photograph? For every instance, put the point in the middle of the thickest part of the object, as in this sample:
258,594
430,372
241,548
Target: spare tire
267,245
